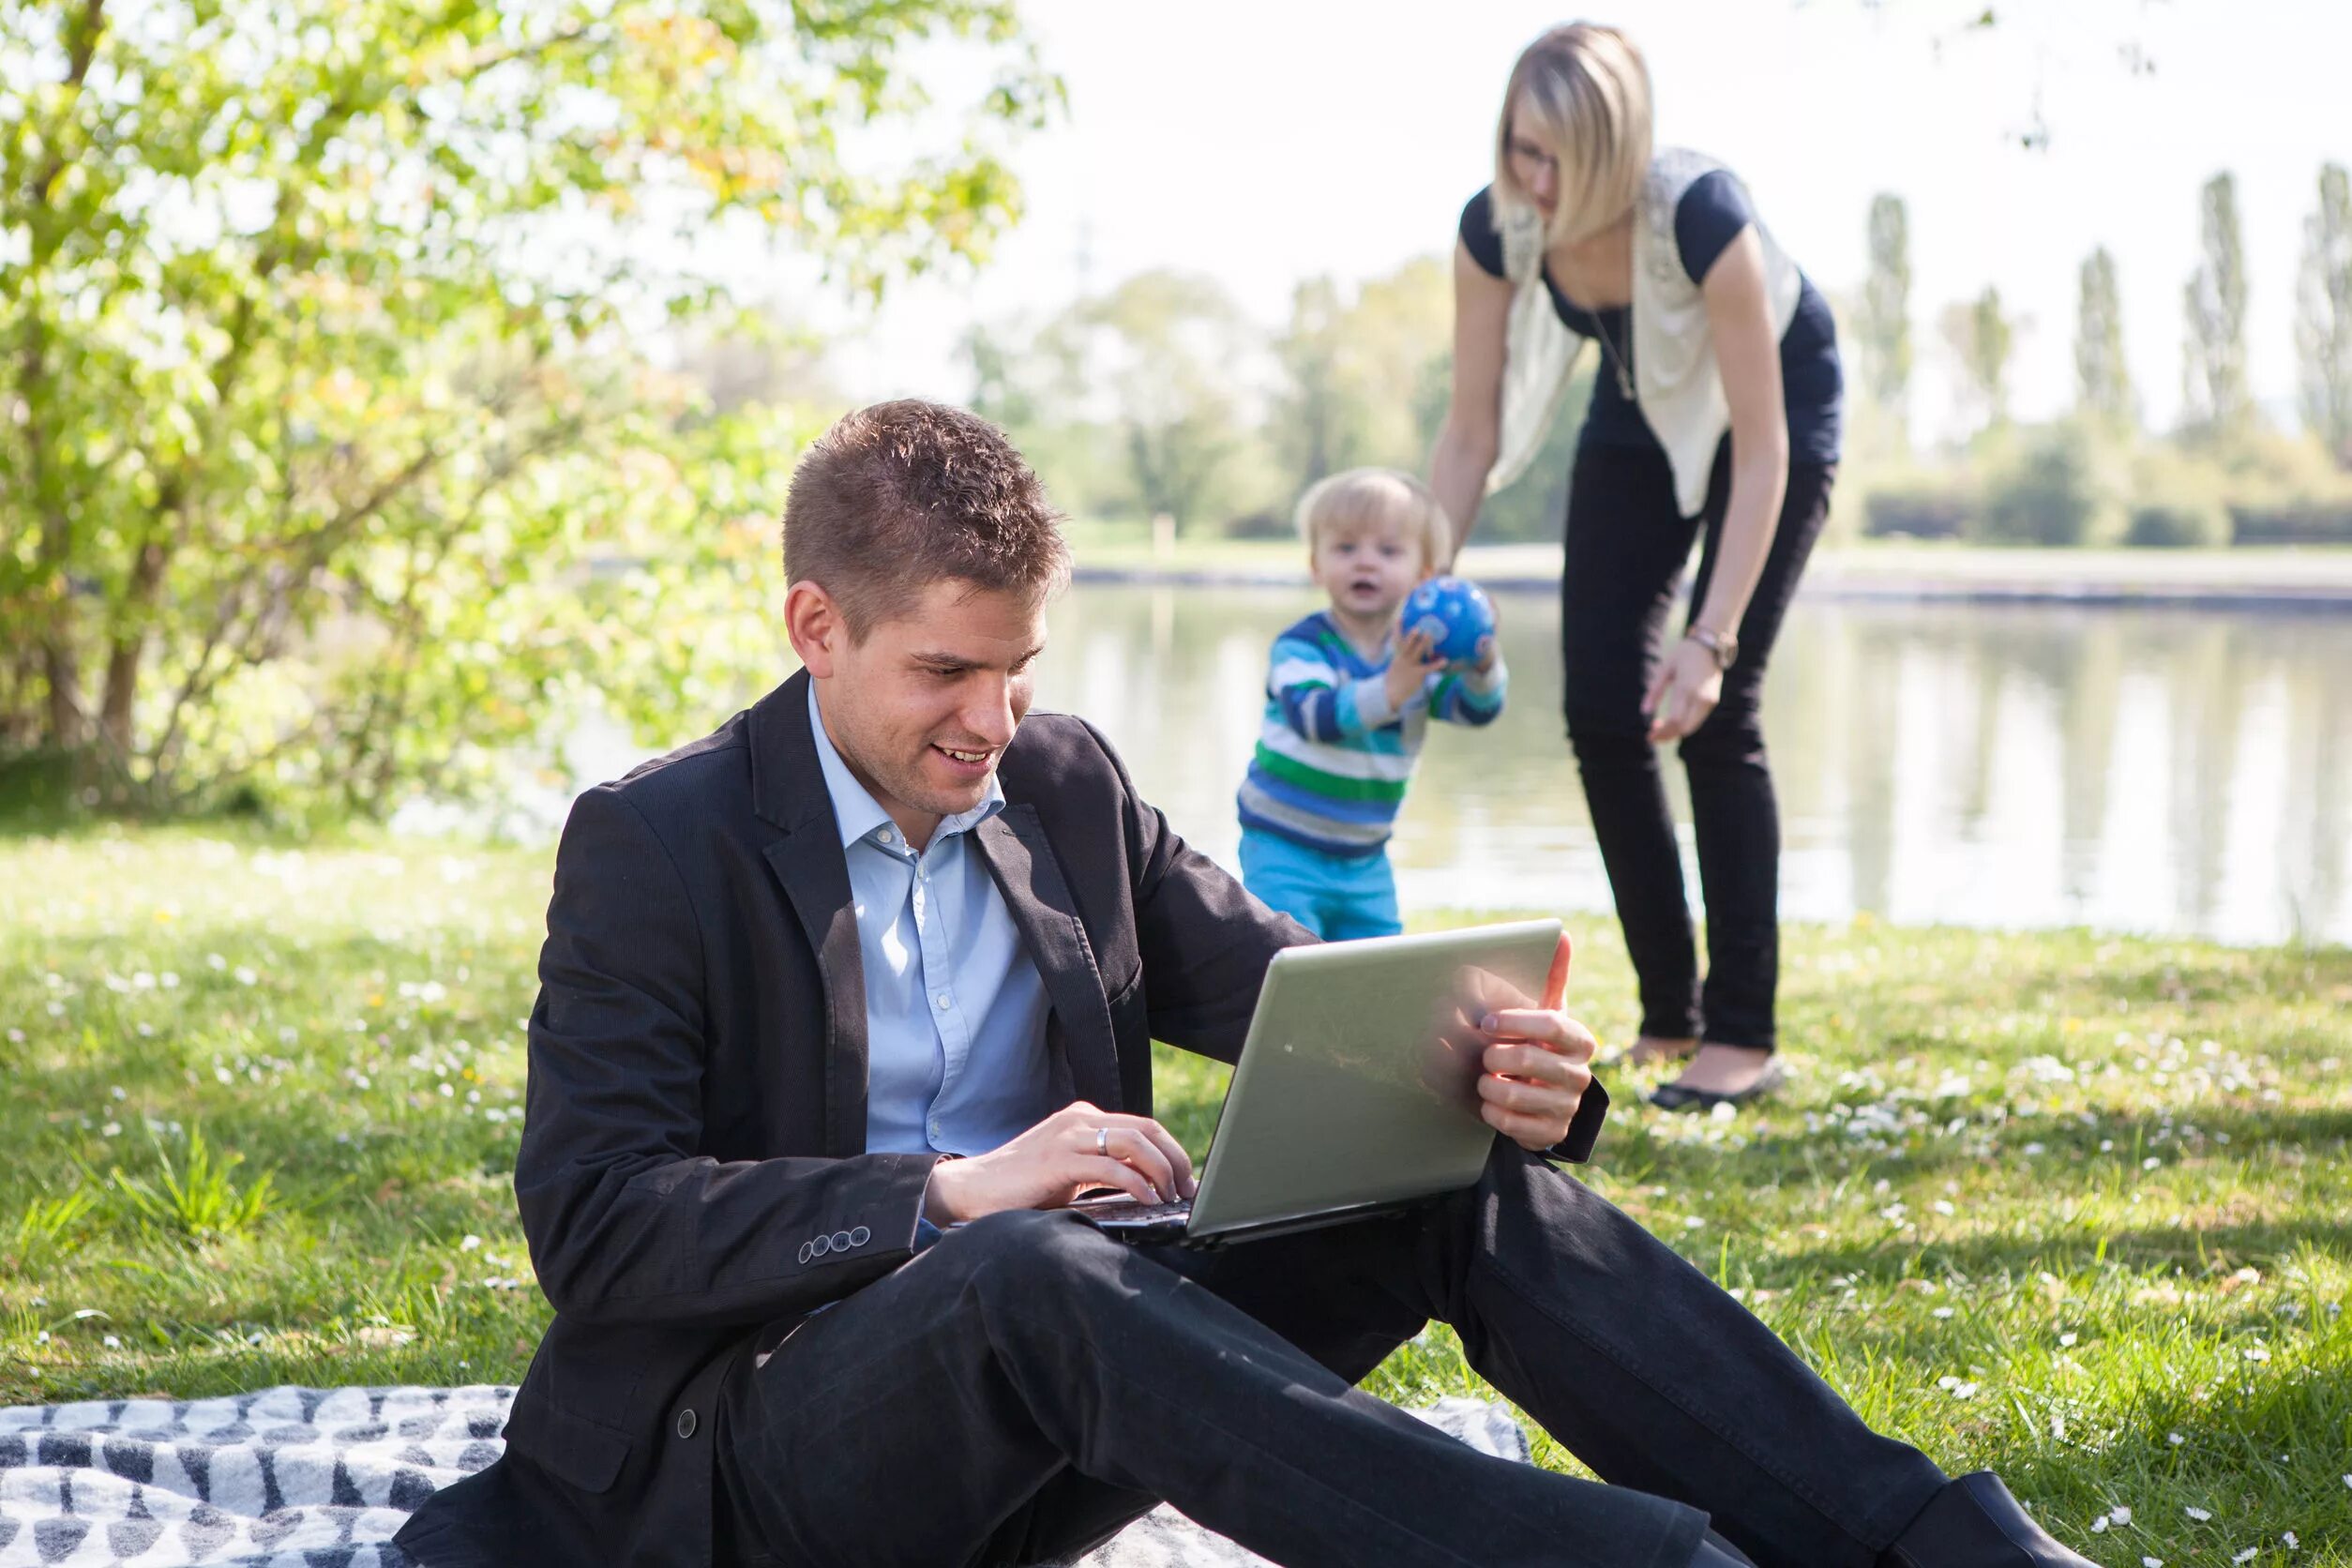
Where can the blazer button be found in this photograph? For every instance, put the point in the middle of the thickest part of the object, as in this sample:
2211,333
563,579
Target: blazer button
685,1424
842,1241
860,1236
807,1249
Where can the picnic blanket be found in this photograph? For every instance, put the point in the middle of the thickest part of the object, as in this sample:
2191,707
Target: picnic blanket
323,1478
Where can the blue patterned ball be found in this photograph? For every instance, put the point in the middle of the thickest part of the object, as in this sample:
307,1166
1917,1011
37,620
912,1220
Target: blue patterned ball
1455,611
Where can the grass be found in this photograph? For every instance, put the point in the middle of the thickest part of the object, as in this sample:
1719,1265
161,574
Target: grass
2073,1207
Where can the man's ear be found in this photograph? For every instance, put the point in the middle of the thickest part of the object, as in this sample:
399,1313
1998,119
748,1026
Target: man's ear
815,625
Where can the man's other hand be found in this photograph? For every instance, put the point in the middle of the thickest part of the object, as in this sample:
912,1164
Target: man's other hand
1537,1063
1076,1149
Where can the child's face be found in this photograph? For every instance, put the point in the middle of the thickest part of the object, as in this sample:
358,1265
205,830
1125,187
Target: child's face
1367,570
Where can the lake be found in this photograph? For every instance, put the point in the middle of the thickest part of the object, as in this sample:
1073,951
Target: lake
2146,770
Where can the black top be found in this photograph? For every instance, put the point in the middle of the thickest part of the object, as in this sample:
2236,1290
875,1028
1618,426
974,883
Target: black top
1706,220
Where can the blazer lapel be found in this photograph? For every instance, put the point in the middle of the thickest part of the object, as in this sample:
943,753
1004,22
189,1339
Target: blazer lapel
1013,843
789,789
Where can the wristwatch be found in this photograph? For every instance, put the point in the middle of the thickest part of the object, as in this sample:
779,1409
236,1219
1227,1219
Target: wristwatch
1723,645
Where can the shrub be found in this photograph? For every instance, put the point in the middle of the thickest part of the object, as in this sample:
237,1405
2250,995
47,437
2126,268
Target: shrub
1922,506
2178,524
2064,488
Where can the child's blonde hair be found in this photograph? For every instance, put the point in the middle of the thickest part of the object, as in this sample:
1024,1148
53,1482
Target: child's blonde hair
1376,497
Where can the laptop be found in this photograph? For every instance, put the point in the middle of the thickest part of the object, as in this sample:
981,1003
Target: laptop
1356,1092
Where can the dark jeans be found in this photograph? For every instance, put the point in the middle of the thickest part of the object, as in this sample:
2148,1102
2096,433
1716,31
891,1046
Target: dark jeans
1626,545
1025,1387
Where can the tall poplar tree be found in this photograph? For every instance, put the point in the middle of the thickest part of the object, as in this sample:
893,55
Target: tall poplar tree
2102,380
2215,391
2323,315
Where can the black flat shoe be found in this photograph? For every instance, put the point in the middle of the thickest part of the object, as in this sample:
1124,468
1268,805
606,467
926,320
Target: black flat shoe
1974,1523
1675,1096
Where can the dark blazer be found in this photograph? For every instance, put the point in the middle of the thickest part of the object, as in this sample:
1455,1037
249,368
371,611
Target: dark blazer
693,1175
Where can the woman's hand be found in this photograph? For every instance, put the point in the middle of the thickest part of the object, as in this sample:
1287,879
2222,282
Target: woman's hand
1684,691
1409,667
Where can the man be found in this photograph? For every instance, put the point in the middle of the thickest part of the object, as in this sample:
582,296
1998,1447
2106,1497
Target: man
877,959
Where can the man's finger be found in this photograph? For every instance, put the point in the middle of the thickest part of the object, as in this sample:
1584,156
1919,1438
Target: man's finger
1529,1132
1536,1063
1149,1160
1555,1031
1099,1170
1178,1162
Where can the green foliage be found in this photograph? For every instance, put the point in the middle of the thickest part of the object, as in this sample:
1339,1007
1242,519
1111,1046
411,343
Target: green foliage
1884,321
2061,485
2102,382
2215,392
1918,506
50,1226
1984,338
198,1200
2180,500
2323,315
329,463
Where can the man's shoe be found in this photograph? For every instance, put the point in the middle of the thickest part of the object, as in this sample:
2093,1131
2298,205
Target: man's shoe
1974,1523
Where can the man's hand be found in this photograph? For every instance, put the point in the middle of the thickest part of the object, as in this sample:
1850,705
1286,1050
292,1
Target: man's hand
1536,1070
1077,1148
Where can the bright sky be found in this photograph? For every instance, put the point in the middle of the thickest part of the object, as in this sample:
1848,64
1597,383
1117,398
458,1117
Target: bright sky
1267,140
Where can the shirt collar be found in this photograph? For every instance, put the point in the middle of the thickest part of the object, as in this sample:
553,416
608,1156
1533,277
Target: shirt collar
855,811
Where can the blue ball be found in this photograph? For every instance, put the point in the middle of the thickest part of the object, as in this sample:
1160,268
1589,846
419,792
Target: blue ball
1455,611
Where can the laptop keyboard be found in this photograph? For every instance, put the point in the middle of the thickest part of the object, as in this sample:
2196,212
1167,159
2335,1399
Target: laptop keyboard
1123,1210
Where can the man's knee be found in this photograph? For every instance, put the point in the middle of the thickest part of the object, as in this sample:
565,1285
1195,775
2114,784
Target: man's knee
1030,1247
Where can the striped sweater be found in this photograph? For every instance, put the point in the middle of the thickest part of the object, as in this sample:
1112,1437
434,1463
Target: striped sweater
1332,757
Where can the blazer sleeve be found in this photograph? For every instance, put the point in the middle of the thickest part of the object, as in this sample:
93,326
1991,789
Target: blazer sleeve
627,1220
1205,940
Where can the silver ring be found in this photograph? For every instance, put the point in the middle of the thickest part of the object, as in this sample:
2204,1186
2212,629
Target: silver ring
1102,1141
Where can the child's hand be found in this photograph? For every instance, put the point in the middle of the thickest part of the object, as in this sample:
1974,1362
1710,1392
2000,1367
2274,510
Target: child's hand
1410,668
1487,654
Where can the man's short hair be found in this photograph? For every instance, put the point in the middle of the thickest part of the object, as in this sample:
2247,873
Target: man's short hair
901,495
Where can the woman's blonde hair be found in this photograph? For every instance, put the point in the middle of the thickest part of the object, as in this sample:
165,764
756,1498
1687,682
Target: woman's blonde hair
1587,89
1376,497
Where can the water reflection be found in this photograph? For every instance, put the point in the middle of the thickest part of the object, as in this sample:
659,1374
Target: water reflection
2152,770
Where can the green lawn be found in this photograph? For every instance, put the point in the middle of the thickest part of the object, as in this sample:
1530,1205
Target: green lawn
2075,1207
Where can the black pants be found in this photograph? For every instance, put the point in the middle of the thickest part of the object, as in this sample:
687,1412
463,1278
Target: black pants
1025,1387
1626,545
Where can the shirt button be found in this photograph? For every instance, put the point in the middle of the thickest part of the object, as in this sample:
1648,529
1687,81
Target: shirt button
944,1001
887,836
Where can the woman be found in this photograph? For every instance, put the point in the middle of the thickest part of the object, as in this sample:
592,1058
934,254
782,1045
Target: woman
1715,409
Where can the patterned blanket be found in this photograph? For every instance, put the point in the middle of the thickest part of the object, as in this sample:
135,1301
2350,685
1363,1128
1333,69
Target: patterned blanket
322,1478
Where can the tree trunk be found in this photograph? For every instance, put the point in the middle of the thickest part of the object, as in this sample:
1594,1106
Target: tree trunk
129,649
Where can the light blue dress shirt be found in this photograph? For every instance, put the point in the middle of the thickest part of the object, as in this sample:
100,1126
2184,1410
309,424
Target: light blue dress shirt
954,1008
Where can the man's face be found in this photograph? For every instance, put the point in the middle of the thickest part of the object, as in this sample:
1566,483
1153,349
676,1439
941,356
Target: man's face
923,708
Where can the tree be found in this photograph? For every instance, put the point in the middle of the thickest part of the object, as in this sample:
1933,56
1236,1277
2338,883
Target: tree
315,350
1983,335
2323,315
2215,393
1171,351
2102,382
1355,372
1885,318
1317,419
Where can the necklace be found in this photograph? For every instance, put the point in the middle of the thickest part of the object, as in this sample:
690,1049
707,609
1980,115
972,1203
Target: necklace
1617,360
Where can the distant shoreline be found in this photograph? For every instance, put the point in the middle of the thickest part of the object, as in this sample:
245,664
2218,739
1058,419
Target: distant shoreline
2309,582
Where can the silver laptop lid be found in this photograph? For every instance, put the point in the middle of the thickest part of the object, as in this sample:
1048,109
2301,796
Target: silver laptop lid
1358,1081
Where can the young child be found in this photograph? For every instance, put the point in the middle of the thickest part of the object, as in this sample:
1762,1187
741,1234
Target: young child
1347,706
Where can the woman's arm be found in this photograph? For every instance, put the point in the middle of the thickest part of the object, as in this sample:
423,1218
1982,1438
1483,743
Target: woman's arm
1747,353
1473,419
